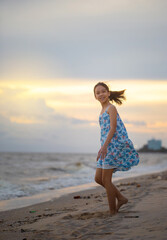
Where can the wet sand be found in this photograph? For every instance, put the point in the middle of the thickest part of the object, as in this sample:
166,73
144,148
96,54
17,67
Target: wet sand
85,215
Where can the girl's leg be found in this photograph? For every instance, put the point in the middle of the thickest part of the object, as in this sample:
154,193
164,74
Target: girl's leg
121,199
98,176
111,193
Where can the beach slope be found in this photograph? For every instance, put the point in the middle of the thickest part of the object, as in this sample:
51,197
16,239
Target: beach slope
85,215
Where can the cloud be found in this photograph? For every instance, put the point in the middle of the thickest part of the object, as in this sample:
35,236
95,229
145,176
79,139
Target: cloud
62,116
80,121
85,39
56,13
158,125
62,135
37,102
28,124
18,106
23,110
28,63
135,123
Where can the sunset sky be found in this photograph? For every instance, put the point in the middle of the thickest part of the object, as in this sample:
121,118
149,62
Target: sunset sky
54,52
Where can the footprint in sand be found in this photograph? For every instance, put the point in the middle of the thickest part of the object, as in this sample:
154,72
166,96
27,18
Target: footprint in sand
131,216
128,211
86,215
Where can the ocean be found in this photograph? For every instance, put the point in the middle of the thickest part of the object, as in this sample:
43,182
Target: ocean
25,176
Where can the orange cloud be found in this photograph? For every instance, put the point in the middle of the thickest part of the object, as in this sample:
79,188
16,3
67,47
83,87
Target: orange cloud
23,120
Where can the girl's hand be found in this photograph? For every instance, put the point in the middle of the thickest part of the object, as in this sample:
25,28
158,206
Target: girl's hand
98,155
103,152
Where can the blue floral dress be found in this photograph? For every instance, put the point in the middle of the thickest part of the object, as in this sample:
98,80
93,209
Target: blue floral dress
121,155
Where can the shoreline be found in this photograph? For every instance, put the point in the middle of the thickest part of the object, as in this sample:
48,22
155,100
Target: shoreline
50,195
85,214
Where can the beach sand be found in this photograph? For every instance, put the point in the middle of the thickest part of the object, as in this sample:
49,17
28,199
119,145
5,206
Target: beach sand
85,215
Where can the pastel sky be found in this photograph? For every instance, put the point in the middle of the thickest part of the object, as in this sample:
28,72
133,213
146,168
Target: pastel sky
53,52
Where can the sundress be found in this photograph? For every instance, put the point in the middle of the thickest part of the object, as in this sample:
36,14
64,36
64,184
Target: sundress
121,154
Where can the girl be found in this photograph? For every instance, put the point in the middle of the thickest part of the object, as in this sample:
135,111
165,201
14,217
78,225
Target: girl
117,152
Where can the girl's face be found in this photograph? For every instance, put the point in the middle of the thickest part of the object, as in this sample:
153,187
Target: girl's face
101,94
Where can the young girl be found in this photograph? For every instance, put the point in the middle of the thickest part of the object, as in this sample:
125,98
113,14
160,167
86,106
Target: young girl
117,152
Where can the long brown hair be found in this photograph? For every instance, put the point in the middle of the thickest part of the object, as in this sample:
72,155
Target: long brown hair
116,96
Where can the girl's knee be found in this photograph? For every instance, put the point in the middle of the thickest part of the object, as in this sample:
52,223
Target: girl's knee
98,180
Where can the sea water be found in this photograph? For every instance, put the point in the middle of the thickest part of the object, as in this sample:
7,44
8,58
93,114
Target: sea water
29,174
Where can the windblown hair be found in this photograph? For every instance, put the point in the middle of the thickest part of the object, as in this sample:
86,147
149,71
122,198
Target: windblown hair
116,96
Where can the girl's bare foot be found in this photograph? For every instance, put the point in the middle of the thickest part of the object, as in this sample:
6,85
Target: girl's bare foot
112,213
121,202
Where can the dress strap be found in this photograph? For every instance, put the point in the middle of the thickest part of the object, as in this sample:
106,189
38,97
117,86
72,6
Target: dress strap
107,108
